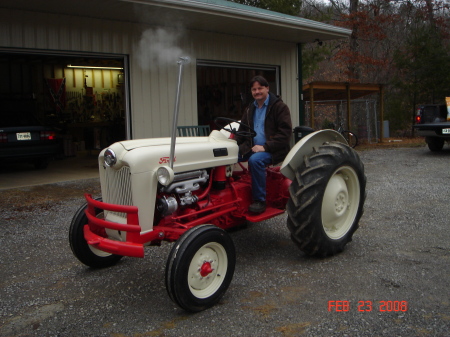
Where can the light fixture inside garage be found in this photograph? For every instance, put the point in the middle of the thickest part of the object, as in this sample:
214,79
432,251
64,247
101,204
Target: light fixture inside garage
94,67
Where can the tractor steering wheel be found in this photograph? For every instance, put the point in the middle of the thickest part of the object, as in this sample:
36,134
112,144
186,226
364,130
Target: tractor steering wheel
222,122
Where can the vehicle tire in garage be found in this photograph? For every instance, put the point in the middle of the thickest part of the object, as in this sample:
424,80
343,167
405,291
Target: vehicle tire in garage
41,163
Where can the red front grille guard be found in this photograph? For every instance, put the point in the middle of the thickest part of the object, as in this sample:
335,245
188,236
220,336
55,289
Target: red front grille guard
229,206
134,244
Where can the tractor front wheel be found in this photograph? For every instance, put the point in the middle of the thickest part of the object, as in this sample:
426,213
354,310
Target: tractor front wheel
87,254
326,199
200,267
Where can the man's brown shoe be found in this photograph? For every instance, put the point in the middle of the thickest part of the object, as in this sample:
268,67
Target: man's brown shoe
257,207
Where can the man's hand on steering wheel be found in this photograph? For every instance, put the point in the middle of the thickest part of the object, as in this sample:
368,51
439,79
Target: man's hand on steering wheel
222,122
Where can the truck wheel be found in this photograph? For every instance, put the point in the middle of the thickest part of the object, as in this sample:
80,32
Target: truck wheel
435,144
326,199
200,267
87,254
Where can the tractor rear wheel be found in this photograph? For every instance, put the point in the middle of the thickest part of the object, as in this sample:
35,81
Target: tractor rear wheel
87,254
200,267
326,199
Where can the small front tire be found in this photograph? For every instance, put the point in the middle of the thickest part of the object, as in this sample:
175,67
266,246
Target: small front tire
87,254
200,267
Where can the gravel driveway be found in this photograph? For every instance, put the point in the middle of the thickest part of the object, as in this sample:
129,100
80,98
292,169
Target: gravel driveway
399,261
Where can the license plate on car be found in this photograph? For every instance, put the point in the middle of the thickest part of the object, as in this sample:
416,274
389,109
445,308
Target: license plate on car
23,136
446,131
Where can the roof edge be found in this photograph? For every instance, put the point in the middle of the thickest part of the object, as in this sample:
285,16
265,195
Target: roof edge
232,9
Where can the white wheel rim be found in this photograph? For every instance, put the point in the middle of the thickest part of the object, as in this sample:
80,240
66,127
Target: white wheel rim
340,202
207,270
99,252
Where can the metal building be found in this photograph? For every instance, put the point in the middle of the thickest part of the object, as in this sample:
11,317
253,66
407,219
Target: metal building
113,62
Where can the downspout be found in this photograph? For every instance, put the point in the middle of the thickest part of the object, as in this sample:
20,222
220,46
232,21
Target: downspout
301,104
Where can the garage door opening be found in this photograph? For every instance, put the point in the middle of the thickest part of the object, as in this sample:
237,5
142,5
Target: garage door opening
83,97
223,88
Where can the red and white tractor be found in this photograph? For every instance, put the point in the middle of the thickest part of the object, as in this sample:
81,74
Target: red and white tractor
190,190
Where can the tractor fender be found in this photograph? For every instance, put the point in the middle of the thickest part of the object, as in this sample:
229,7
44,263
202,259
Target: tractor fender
304,147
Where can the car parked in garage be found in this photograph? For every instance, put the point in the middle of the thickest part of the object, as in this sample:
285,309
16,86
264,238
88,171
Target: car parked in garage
23,138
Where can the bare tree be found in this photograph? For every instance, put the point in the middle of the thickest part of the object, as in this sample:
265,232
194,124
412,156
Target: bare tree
353,67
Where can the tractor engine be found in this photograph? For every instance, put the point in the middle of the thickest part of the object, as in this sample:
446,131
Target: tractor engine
203,193
179,193
196,194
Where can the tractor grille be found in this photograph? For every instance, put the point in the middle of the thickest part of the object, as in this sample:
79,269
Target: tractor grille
118,188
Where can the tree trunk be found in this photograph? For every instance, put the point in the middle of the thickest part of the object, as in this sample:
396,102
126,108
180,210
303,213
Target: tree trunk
430,13
354,72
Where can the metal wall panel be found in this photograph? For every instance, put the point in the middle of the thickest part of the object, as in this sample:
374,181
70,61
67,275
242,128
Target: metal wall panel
152,85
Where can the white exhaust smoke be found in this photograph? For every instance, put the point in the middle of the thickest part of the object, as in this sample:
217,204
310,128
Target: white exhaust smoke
158,47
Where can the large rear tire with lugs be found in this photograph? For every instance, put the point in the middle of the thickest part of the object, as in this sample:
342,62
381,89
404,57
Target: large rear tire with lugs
326,199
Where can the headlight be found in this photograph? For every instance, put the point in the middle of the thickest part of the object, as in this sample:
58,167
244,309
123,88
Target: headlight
110,158
165,175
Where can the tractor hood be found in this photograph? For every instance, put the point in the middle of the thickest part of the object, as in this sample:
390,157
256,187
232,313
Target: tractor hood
191,153
134,144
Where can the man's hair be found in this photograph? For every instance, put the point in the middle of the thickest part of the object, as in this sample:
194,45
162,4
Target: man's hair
261,80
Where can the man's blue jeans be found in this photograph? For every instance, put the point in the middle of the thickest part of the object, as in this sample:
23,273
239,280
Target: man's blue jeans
257,163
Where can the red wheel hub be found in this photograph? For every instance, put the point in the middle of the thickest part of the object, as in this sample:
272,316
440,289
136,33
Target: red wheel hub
205,269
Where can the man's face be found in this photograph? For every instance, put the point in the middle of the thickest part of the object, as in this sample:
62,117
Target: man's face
259,92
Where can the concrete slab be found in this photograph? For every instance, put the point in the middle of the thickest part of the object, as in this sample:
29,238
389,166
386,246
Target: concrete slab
83,166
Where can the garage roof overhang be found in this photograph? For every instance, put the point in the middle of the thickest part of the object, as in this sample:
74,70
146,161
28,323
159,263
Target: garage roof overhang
218,16
338,91
335,92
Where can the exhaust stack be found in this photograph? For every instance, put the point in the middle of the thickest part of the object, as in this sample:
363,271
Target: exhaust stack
183,60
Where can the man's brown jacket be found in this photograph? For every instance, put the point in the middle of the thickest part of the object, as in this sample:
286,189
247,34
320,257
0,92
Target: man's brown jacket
277,127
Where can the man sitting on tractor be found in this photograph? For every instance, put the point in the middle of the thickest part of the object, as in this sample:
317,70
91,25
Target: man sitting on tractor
270,117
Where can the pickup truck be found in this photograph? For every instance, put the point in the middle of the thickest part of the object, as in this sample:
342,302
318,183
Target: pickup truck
431,123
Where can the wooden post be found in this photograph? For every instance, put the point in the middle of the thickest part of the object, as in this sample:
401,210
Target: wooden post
311,104
381,113
348,106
